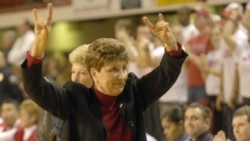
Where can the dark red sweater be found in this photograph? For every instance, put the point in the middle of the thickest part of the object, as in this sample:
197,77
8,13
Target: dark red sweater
112,119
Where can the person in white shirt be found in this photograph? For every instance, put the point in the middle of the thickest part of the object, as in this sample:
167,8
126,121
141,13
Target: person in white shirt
22,44
188,29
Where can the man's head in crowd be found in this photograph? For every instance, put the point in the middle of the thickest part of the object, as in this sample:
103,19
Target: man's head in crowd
10,112
197,119
241,123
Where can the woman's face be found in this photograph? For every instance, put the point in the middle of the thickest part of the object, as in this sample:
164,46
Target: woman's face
111,78
172,130
27,119
80,74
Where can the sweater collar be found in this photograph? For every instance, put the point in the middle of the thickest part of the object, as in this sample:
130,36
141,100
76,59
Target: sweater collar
104,99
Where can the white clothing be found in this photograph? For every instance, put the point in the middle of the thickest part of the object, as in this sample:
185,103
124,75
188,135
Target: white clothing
188,32
28,132
8,135
244,75
178,92
16,124
21,46
228,74
150,138
213,82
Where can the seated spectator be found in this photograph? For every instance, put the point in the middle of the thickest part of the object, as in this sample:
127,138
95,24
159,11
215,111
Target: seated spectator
173,124
10,121
9,113
197,122
241,126
29,114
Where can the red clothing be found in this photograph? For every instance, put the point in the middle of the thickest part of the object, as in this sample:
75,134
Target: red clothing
3,127
112,119
20,133
198,44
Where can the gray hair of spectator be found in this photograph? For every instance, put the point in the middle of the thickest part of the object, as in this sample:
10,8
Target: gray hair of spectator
78,55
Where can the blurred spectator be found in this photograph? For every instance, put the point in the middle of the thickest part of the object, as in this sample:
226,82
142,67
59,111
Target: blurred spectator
235,41
173,124
8,40
199,44
29,115
145,45
246,17
197,122
124,32
212,72
55,68
9,87
188,29
22,44
10,115
177,94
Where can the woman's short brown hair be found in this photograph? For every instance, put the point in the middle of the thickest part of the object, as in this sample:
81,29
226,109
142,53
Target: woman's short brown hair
105,50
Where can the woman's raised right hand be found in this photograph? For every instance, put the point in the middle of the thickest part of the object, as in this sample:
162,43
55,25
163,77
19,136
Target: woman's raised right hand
41,29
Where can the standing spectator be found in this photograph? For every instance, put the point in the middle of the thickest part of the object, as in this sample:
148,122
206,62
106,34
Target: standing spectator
188,29
144,45
234,42
22,44
113,108
246,17
8,40
244,59
213,75
178,93
198,121
199,44
124,32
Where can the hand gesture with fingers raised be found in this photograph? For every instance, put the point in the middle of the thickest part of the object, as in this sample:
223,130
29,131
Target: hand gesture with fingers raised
41,32
162,30
220,136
